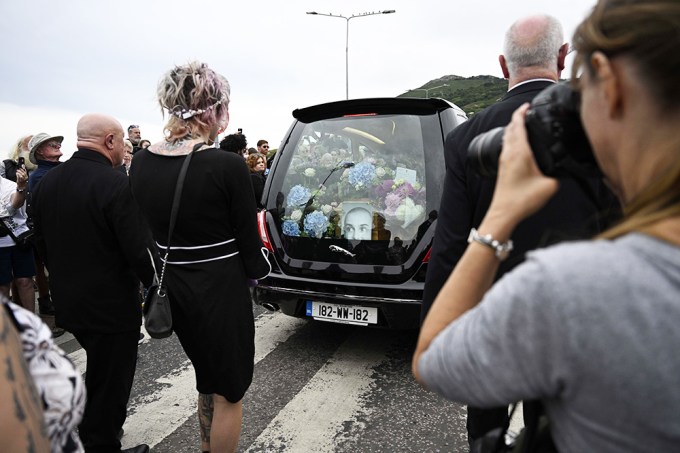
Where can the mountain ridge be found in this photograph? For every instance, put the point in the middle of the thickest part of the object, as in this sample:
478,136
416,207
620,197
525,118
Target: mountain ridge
471,94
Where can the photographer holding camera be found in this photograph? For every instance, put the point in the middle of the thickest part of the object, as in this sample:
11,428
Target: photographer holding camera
589,328
533,58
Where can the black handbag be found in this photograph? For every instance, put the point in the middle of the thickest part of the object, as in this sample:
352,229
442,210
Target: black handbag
535,437
157,311
24,241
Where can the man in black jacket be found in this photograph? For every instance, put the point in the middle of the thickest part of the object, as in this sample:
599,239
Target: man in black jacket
533,58
95,244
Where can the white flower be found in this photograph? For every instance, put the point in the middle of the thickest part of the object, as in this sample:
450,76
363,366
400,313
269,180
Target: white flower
417,186
327,160
345,174
310,172
326,209
380,172
296,215
408,211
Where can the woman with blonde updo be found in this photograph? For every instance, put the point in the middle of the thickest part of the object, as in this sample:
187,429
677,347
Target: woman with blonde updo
588,328
215,244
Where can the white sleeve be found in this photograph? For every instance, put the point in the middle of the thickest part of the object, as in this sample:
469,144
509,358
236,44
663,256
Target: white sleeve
7,188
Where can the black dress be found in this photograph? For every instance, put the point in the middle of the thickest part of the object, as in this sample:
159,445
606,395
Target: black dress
258,180
218,249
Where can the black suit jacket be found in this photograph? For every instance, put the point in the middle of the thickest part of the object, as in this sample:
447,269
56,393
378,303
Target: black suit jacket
94,243
570,214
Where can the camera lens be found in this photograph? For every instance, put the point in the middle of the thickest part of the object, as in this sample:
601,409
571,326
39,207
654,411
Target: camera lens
484,151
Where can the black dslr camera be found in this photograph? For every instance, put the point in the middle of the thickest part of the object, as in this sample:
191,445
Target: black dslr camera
555,133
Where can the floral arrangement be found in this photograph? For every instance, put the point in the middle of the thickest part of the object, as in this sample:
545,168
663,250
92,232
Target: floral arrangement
323,177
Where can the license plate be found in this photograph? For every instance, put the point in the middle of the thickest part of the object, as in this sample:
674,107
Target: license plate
345,314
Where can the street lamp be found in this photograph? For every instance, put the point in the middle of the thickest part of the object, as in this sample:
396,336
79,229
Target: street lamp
427,90
347,18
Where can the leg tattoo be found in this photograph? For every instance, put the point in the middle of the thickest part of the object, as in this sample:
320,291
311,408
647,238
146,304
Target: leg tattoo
206,407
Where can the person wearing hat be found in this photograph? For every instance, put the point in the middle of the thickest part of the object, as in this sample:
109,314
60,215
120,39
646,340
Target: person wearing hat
44,151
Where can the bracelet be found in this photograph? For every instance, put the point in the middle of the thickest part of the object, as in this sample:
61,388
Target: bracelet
502,250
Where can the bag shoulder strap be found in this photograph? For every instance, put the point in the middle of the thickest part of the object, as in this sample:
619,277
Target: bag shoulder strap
175,205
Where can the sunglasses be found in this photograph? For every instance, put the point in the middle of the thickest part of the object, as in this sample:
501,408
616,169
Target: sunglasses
265,146
54,145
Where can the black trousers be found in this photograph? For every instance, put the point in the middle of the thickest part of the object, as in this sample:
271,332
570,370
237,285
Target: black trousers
481,421
111,363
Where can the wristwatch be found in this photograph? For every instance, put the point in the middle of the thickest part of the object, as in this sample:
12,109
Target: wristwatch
21,190
502,249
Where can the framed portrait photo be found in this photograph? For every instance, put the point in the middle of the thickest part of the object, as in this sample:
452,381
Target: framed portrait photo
357,220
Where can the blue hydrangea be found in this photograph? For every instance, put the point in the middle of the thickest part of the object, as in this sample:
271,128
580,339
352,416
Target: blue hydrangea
290,228
298,196
315,224
361,175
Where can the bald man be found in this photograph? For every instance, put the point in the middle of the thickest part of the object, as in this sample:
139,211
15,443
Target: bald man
95,244
533,58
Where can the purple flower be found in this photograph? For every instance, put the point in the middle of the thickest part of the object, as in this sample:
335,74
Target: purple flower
392,202
384,188
405,190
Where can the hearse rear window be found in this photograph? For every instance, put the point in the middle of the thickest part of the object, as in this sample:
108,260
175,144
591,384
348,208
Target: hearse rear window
357,178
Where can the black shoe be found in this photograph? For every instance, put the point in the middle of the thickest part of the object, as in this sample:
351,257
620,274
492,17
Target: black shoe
57,331
143,448
45,305
141,338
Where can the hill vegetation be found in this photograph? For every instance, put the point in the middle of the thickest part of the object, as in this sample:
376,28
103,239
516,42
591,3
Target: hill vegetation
471,94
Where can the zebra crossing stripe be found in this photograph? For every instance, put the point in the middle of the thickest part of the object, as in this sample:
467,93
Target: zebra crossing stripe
330,399
175,401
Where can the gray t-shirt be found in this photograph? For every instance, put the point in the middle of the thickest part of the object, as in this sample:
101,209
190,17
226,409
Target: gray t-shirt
590,328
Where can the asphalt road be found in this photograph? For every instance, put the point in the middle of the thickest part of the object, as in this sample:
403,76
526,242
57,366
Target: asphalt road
318,387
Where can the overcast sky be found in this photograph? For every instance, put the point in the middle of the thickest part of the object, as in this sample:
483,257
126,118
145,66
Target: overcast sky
62,59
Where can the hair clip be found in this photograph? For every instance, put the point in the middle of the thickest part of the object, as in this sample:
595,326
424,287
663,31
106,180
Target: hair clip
185,114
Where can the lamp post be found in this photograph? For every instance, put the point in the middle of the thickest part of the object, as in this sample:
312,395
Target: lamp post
347,19
427,90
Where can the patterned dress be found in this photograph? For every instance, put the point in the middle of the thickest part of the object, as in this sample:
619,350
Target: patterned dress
59,384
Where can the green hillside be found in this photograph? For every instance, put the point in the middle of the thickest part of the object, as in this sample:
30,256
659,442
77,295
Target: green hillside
471,94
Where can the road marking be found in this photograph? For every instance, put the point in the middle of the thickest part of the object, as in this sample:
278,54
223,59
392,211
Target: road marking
272,329
79,359
174,402
310,421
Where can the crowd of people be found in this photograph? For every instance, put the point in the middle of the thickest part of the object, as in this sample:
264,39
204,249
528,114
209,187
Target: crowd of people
105,243
585,328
